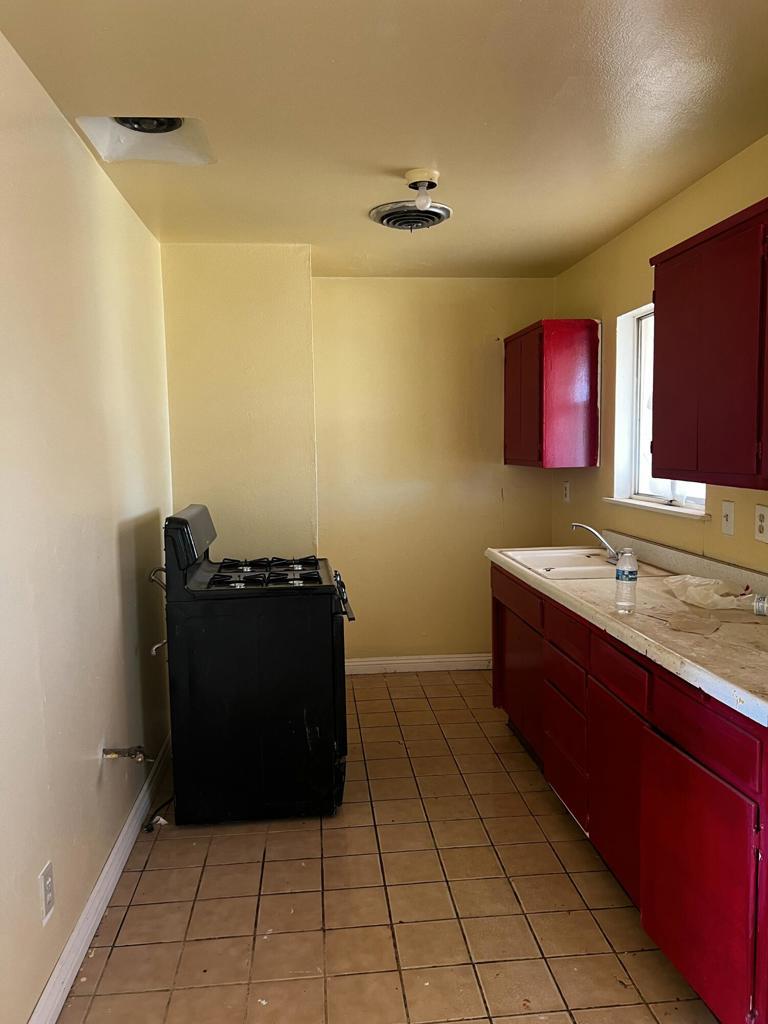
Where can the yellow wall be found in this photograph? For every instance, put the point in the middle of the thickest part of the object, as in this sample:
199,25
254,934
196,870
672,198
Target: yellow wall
240,379
616,279
412,487
85,482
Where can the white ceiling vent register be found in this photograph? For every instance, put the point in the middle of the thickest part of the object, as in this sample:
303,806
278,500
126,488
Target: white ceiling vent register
167,140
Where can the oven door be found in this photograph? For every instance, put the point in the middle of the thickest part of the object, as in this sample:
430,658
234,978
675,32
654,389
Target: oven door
339,680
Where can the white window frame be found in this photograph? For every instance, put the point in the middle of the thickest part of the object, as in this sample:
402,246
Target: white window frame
627,424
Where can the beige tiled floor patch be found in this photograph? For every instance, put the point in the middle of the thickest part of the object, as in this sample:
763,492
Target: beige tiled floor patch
451,886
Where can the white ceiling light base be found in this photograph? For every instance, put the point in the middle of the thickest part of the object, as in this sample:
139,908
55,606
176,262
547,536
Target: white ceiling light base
427,175
113,142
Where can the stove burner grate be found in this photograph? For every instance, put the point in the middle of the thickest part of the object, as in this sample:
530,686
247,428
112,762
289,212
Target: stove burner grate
297,564
244,564
225,579
237,574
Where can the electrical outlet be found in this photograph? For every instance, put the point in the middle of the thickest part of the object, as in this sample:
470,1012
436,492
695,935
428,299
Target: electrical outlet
761,523
567,491
727,517
47,895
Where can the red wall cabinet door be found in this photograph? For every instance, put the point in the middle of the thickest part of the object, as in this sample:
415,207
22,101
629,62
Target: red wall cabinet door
550,394
708,390
615,750
698,876
522,397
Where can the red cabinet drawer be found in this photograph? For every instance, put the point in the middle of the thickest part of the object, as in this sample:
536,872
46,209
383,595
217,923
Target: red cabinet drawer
622,676
730,751
566,632
564,725
569,678
516,597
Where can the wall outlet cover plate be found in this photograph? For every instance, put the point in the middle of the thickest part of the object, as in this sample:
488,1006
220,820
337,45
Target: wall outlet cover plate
761,523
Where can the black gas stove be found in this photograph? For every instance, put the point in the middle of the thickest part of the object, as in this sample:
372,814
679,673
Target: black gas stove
256,666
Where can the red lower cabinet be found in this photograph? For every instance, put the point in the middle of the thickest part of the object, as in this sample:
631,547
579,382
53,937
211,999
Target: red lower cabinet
519,682
564,751
679,830
615,760
698,879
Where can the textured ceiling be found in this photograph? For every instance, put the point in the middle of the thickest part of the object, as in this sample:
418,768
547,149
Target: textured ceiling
554,123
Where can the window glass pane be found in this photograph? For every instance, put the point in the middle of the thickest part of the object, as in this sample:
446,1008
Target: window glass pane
645,483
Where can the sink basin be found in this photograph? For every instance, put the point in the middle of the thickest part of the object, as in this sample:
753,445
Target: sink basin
572,563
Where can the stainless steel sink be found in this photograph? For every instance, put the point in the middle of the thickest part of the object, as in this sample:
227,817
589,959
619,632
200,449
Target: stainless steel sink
572,563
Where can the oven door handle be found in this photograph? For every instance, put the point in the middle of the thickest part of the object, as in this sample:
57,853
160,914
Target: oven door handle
342,592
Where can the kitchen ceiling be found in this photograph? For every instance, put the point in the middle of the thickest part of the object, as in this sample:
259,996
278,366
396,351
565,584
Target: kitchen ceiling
554,123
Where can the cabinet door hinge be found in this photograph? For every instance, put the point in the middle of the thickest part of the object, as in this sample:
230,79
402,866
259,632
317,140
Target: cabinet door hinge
759,453
757,842
765,243
651,447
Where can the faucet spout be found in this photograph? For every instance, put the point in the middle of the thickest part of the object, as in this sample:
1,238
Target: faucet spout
613,555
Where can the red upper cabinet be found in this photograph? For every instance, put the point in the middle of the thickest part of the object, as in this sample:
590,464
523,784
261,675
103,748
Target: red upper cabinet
551,395
709,384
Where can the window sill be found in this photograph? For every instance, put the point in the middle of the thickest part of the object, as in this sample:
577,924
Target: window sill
700,515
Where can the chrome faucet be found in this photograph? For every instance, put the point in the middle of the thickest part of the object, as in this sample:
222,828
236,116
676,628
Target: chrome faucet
613,555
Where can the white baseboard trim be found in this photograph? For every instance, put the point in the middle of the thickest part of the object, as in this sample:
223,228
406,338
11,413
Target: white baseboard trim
55,993
419,663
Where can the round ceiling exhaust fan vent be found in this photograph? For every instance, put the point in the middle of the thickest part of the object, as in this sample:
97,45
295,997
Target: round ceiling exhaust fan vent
151,125
406,216
414,214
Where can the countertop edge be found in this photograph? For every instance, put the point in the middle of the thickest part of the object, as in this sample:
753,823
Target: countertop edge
748,704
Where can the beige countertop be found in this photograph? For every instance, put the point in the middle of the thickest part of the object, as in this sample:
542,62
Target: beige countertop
730,664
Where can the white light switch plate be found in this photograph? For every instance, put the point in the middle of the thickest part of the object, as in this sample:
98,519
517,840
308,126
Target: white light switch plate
761,523
727,517
47,894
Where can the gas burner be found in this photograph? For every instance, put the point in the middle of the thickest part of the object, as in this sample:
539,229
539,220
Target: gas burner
221,579
237,582
244,564
296,564
275,579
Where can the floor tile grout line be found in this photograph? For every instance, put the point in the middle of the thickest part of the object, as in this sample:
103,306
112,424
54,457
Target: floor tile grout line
392,933
458,919
530,926
475,969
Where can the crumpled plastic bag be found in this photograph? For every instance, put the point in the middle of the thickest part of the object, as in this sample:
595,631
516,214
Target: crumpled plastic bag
710,594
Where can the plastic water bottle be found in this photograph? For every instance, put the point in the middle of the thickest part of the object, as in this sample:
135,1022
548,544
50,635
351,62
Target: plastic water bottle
626,582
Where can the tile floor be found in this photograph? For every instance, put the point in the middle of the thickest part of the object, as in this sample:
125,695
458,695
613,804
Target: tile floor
451,886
